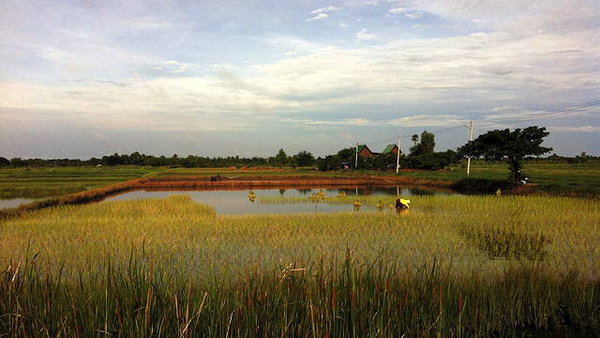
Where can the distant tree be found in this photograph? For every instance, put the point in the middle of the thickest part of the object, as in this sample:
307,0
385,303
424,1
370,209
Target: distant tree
113,159
4,162
431,161
281,158
303,159
17,162
136,158
344,157
511,145
426,146
415,139
427,142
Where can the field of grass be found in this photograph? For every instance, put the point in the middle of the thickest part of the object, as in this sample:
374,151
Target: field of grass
577,179
452,266
51,182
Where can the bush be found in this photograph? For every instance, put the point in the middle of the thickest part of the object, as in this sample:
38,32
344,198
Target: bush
431,161
481,185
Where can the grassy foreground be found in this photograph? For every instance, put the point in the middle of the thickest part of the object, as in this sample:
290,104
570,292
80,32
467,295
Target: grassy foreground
453,266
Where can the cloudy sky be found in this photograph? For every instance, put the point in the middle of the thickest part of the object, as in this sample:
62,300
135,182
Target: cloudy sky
83,78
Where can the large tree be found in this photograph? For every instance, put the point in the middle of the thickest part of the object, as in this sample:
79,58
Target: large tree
511,145
426,146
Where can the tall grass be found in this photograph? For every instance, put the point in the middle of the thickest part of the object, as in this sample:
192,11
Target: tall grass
74,198
173,267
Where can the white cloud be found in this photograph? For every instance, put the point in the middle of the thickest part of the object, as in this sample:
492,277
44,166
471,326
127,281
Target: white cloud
398,10
428,120
415,15
321,13
175,67
515,15
146,24
377,2
320,16
357,122
451,71
436,76
364,36
329,8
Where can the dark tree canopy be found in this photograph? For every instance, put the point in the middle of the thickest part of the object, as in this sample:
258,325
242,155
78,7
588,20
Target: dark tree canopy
426,146
415,139
281,157
303,159
4,162
513,145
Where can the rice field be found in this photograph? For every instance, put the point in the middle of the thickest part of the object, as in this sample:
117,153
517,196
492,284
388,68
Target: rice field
36,183
452,266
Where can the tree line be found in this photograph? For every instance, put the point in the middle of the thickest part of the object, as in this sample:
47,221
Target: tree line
302,158
422,156
495,145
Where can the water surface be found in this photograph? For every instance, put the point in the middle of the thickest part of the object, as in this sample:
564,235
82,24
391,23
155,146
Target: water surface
13,202
237,202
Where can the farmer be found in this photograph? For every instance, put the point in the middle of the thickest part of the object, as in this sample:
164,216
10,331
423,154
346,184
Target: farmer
402,204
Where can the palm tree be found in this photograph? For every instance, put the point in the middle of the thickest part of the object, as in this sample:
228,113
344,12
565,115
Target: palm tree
415,139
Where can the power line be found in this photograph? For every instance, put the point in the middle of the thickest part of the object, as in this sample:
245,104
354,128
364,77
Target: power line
551,113
524,117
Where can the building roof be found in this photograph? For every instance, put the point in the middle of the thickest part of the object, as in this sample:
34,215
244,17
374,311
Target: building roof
389,148
363,146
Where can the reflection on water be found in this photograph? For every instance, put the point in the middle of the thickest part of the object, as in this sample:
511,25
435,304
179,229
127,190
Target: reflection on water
403,212
13,202
243,201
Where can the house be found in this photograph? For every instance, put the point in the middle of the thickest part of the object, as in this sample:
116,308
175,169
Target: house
364,151
390,149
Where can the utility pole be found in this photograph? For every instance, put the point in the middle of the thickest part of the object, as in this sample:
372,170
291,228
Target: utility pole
398,154
470,126
356,157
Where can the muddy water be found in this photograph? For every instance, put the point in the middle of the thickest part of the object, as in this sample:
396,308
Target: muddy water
237,202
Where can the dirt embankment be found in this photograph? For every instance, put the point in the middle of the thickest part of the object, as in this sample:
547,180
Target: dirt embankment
283,182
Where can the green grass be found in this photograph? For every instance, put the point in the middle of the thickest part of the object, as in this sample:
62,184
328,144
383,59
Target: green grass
452,266
51,182
577,179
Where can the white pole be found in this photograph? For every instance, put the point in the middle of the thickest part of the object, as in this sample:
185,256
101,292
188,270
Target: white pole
356,157
398,154
470,139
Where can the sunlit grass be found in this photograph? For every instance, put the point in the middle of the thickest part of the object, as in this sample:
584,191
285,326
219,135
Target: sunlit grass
457,265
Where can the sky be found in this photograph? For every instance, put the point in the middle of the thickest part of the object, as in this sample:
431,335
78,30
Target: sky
85,78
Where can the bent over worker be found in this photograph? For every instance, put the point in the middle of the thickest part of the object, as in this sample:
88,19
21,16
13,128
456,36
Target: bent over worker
402,204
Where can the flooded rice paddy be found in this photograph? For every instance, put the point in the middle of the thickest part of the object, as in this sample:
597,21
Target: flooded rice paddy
292,200
267,201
